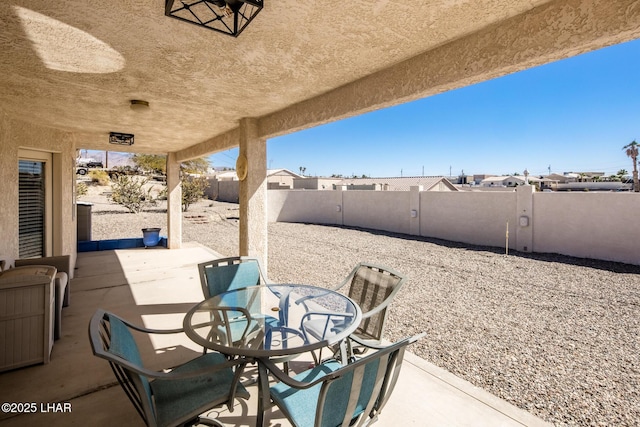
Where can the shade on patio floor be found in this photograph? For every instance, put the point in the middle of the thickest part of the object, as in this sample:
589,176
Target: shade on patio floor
156,287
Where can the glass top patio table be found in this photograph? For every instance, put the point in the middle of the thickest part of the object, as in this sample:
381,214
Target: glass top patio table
272,320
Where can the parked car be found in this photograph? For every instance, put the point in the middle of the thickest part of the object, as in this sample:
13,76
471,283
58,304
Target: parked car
89,163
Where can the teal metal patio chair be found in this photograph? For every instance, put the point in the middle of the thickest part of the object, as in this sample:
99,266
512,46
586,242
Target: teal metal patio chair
373,287
227,274
332,394
173,398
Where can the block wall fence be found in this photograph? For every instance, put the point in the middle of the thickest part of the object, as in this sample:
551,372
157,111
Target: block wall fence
603,226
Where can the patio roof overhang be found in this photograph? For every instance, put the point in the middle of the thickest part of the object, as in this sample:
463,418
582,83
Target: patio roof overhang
75,65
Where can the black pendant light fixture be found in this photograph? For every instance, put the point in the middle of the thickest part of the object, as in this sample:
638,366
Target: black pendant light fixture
120,138
225,16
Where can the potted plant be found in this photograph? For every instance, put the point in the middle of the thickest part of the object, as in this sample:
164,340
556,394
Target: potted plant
150,237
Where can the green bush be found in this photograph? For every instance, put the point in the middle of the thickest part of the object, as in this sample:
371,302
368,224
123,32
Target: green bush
192,190
129,192
99,176
81,189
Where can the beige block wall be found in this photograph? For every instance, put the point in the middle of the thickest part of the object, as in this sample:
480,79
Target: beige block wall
585,225
318,207
229,191
223,191
476,218
16,135
379,210
588,225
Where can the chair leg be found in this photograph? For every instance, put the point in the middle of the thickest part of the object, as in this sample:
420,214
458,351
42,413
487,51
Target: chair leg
201,420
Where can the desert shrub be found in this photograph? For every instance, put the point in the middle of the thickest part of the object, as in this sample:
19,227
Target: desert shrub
129,192
162,194
81,189
192,190
99,177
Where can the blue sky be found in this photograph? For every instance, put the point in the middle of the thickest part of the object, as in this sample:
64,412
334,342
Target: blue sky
571,115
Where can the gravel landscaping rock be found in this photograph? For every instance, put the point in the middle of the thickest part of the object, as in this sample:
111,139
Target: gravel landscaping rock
554,335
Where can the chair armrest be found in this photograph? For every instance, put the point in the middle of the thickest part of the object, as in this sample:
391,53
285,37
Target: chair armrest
380,346
151,331
171,375
98,350
61,262
329,316
20,281
286,378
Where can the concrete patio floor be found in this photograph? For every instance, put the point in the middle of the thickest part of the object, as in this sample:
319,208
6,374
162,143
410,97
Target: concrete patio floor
155,288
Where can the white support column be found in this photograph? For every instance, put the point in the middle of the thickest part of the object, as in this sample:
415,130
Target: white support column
174,203
253,192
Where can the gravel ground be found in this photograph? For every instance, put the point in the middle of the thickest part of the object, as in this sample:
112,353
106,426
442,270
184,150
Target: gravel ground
554,335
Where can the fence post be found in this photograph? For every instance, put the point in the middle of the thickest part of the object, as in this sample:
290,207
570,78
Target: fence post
524,215
414,209
339,200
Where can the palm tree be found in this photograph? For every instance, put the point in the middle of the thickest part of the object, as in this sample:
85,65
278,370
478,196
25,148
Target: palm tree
632,151
621,175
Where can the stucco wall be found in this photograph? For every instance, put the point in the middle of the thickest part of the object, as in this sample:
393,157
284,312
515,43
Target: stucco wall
224,191
229,191
588,225
379,210
15,135
315,183
318,207
475,218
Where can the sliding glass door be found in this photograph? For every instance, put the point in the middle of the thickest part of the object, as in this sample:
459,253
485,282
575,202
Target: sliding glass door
34,205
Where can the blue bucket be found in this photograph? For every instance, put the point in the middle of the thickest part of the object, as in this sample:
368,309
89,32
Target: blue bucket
150,237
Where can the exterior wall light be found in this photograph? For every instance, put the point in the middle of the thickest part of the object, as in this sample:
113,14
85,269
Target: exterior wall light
120,138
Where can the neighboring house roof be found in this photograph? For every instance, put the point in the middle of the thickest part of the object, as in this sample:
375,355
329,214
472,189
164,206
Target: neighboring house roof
280,172
501,179
232,176
428,183
227,176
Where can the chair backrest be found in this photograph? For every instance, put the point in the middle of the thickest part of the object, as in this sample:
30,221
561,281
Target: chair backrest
225,274
362,388
112,340
373,287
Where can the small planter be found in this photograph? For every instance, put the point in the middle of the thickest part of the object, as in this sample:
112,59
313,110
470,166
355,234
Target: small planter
150,237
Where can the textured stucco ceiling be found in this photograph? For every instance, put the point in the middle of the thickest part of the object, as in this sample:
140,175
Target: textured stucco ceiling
75,64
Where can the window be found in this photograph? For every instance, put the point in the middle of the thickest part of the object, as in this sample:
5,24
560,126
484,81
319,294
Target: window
34,204
31,198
